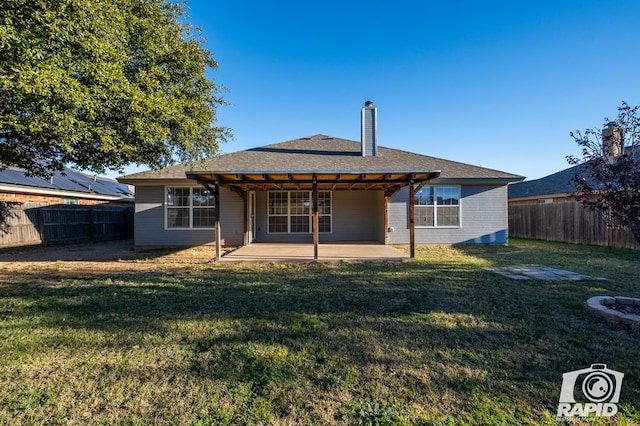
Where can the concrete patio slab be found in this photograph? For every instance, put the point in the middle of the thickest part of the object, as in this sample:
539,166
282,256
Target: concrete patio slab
303,252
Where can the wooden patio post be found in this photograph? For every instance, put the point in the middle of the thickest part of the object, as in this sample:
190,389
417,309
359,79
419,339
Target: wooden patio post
412,228
386,218
245,211
216,193
315,218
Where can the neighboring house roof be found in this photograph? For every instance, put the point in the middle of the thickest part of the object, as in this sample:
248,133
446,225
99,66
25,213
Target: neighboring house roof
556,184
321,153
69,182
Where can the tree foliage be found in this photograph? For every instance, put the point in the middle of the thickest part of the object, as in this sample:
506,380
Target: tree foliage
608,179
103,83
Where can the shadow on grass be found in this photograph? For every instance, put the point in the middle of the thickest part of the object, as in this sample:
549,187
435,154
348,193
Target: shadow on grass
100,252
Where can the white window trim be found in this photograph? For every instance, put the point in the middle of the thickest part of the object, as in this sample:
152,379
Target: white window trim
435,212
288,215
167,207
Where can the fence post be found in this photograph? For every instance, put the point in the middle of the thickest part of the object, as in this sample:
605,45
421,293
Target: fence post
43,235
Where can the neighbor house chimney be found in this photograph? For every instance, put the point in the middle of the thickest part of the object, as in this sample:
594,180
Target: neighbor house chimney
612,142
369,130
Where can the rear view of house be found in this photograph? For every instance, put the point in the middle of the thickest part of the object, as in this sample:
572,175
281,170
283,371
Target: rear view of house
319,189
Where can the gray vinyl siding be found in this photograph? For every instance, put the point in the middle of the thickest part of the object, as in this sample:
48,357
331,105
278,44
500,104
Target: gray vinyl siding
381,233
356,216
483,218
150,221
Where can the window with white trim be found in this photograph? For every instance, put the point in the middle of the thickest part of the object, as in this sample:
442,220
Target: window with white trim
189,208
291,212
324,211
437,206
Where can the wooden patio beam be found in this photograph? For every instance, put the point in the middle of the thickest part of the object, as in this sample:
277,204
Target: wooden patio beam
402,181
315,218
420,185
386,218
216,193
412,228
242,192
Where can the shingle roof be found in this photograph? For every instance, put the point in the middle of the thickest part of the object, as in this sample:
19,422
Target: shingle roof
67,180
554,184
322,153
558,183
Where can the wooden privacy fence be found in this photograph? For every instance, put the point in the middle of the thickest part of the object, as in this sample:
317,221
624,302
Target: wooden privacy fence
568,222
36,223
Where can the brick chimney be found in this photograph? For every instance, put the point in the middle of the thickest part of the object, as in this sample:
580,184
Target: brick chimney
612,142
369,130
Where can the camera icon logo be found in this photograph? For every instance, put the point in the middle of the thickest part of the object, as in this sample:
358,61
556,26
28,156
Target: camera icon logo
594,390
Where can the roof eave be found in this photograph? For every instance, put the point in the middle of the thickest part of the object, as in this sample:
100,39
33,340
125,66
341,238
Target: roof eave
306,172
154,181
480,180
60,192
541,196
353,179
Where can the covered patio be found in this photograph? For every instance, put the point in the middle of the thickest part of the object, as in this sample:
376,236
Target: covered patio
300,252
243,181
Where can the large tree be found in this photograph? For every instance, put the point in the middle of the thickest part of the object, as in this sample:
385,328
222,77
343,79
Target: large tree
608,177
101,84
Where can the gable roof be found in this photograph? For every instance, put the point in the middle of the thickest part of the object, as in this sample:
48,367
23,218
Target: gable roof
321,153
68,182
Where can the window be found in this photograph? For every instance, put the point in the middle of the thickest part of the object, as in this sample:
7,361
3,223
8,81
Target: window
324,211
278,212
300,208
71,201
291,212
437,206
203,204
189,207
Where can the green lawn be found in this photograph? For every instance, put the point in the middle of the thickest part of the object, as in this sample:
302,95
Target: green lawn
437,341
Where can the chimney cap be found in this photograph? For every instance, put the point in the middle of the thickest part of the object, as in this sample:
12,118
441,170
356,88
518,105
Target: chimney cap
368,103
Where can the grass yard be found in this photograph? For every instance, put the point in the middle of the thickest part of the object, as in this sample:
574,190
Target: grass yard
438,341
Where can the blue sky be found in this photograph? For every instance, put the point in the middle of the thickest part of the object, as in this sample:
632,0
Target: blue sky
498,84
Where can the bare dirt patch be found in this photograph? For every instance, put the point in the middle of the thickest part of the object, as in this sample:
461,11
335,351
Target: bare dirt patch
100,256
103,251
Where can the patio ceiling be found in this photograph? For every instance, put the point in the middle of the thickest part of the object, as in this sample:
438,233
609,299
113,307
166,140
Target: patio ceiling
387,180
